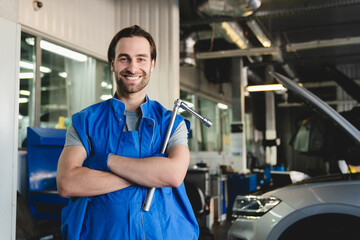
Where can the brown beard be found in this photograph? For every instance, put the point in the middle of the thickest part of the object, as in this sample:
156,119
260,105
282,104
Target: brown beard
129,88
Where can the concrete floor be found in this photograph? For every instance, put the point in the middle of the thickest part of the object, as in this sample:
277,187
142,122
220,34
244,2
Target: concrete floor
218,232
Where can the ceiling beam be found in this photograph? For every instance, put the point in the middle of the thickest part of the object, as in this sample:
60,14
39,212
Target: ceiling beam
293,47
239,53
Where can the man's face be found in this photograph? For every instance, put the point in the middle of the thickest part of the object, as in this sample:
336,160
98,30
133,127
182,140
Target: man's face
132,64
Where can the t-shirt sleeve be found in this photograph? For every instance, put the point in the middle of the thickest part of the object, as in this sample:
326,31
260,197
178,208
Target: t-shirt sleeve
72,137
180,136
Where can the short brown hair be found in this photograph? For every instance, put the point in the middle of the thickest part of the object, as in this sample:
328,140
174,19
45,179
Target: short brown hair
132,31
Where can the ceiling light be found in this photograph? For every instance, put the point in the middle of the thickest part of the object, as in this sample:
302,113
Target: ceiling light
25,92
23,100
105,97
58,50
62,51
268,87
45,69
62,74
28,65
235,33
222,106
259,33
26,75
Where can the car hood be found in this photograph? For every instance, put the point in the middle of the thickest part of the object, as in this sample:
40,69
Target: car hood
320,105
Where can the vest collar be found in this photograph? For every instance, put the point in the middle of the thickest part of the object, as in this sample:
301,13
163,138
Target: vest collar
119,106
145,107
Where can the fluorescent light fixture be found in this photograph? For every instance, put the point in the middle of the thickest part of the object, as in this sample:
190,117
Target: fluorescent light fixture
63,74
268,87
26,65
58,50
31,66
106,85
30,41
105,97
259,33
222,106
25,92
235,33
62,51
26,75
45,69
23,100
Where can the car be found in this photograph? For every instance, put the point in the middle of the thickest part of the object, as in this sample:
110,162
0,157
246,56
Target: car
320,207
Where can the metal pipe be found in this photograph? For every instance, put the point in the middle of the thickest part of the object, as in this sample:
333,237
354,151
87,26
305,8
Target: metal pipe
304,9
239,53
178,103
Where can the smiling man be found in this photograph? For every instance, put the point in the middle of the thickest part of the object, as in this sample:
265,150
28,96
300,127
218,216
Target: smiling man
110,158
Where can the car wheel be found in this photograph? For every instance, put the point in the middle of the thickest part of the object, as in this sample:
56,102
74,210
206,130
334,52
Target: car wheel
324,226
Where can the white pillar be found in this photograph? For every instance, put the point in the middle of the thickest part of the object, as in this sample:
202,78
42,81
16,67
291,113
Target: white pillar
238,138
9,94
270,132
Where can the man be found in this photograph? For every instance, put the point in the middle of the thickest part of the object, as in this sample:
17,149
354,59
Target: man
111,158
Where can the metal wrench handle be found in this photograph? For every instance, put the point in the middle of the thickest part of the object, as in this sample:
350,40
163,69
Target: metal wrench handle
178,103
204,120
150,192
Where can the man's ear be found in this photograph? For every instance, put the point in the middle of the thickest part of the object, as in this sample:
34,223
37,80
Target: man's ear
112,66
152,65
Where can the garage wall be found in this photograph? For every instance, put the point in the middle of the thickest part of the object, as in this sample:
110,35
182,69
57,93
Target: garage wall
89,25
9,92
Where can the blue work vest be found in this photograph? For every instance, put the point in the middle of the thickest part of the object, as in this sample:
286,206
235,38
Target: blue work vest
119,215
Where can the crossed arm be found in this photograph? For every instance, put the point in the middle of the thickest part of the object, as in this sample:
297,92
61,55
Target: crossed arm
74,180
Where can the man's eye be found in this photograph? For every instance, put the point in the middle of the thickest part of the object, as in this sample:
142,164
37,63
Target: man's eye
123,59
141,59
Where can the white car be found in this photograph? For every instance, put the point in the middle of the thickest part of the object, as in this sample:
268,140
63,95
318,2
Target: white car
317,208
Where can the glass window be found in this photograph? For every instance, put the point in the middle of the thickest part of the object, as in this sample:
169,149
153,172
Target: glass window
225,120
208,138
69,82
202,138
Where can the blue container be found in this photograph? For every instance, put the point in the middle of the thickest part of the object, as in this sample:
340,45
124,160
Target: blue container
239,184
44,146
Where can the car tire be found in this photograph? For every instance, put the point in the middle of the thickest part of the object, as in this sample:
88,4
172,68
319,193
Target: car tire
324,226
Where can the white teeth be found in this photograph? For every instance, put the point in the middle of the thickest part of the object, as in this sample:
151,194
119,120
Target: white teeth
132,78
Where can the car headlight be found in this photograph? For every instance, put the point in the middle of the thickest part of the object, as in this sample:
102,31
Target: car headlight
253,206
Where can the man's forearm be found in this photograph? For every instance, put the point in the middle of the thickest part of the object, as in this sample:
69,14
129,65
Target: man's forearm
153,171
87,182
73,180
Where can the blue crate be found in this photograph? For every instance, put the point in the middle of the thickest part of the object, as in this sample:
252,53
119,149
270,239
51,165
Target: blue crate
44,146
239,184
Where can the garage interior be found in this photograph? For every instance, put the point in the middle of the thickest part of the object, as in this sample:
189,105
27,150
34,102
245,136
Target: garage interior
224,48
312,42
